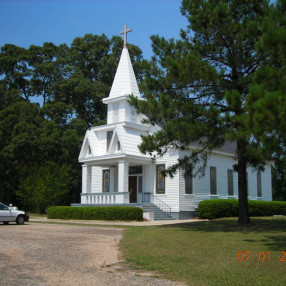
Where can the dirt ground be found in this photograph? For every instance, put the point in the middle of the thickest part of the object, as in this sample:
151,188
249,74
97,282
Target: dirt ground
49,254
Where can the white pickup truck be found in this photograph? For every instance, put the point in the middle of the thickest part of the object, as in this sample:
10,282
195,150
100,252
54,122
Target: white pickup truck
12,214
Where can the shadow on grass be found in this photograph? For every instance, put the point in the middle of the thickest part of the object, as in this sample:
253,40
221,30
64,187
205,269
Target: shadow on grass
272,229
230,225
277,243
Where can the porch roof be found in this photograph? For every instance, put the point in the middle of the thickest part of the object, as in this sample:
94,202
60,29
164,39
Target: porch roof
112,159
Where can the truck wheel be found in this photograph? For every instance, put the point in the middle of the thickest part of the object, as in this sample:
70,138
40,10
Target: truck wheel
20,219
6,222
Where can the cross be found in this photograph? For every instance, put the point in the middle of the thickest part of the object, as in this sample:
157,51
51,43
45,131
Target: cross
125,34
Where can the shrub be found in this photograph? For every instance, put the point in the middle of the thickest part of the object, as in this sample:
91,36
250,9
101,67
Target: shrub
211,209
96,213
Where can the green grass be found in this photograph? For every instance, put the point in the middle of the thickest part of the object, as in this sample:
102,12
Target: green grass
205,253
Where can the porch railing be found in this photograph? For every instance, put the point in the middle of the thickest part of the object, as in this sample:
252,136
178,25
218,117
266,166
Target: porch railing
105,198
151,198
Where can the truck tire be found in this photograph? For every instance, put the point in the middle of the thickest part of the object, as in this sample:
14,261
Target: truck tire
20,219
6,222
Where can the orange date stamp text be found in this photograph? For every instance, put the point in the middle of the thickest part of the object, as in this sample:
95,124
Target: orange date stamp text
261,256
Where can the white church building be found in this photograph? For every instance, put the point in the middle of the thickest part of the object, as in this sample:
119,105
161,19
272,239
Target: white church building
115,172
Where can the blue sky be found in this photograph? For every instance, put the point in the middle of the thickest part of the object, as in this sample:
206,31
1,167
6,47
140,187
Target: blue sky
27,22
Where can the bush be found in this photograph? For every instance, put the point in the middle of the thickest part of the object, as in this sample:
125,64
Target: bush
211,209
96,213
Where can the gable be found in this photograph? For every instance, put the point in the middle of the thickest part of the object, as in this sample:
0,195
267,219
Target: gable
115,143
88,145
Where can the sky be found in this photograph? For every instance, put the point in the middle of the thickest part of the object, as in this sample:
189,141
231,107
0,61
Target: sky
33,22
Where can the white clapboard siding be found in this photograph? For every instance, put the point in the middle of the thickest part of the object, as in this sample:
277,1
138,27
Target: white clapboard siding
201,184
101,143
171,196
266,183
132,139
148,178
93,142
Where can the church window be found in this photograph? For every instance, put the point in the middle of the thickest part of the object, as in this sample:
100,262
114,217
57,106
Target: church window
189,182
118,146
259,187
89,151
108,139
230,182
160,179
105,180
213,185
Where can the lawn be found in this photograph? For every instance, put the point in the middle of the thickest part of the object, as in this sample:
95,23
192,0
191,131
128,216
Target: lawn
205,253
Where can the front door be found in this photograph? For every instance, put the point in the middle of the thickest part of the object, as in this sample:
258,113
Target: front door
133,189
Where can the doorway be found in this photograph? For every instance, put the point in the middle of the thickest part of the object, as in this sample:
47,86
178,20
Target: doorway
133,189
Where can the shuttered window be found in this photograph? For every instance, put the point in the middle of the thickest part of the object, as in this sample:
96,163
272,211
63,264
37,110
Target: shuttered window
230,182
259,187
213,187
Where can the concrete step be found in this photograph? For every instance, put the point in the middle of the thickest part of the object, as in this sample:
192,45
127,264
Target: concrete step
158,213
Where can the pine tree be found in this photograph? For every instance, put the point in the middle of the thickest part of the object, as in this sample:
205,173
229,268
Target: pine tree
198,89
270,80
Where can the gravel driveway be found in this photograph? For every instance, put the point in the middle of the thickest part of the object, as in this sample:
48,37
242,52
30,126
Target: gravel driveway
49,254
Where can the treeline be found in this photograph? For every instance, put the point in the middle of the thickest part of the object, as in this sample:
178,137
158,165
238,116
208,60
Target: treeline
40,142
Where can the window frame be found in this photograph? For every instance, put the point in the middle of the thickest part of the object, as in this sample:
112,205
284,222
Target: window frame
103,182
213,185
189,176
259,184
230,185
161,191
109,135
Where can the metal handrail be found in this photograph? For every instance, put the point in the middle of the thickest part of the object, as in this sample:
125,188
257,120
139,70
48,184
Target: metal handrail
161,205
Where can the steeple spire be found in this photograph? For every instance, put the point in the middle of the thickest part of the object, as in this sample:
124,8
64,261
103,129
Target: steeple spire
124,82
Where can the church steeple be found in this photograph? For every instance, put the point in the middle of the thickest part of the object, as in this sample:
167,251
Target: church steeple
124,84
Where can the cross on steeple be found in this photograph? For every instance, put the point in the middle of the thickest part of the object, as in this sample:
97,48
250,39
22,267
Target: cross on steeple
125,31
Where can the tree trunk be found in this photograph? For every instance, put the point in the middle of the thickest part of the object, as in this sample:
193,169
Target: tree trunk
243,214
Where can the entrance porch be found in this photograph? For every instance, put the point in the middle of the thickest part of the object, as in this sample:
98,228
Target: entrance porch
118,181
122,180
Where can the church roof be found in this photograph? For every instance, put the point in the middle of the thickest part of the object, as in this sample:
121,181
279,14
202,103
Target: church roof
124,81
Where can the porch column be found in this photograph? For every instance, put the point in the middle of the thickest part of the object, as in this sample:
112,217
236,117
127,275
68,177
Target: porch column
123,172
84,179
112,175
84,183
123,167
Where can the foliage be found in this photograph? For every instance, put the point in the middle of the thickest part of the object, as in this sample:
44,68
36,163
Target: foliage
205,253
200,89
44,186
96,213
211,209
270,80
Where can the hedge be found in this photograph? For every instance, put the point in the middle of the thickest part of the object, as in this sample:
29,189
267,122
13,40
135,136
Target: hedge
96,213
211,209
